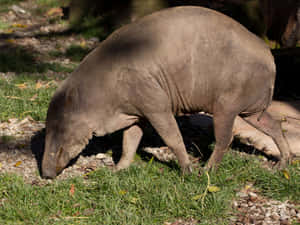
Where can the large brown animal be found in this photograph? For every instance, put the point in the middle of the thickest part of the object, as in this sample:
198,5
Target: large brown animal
179,60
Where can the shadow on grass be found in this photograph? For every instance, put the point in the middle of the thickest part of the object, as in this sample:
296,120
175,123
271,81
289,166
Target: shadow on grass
74,52
197,142
14,58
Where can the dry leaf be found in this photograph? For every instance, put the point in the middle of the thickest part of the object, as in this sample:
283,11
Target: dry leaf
72,190
13,97
33,97
213,189
38,85
18,163
9,31
19,25
197,197
51,83
133,200
21,86
54,12
286,174
11,41
88,212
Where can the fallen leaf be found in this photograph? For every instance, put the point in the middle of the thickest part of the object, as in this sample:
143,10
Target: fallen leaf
51,83
0,165
296,162
286,174
9,31
18,163
19,25
122,192
76,205
54,12
21,86
133,200
283,119
248,187
82,44
33,97
197,197
13,97
72,190
88,212
38,85
213,189
11,41
76,214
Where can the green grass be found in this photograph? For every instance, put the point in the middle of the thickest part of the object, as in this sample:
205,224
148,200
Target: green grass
3,25
18,102
5,4
74,52
6,139
146,193
16,59
45,5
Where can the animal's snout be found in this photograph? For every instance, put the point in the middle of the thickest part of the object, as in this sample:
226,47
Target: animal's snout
49,174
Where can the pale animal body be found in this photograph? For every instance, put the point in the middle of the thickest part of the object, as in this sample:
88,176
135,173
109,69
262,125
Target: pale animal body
179,60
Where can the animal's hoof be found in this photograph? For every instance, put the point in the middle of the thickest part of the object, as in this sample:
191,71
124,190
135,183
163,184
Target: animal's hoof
115,169
210,168
284,162
187,169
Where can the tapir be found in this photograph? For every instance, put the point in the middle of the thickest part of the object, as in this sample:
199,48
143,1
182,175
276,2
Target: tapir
175,61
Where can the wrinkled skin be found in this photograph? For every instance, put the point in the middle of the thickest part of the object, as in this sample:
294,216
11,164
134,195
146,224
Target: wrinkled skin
179,60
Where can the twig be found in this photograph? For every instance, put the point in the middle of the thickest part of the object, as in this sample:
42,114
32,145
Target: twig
14,97
206,189
75,217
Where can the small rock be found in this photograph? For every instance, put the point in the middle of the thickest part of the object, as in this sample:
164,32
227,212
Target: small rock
18,9
94,39
235,204
285,222
241,195
293,212
252,196
274,216
101,156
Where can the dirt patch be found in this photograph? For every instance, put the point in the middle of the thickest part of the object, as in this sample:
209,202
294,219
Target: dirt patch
252,208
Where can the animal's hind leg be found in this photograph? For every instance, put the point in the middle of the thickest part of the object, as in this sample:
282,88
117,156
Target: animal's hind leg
272,128
166,126
223,124
131,139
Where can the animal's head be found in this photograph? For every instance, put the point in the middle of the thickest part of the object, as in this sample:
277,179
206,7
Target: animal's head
291,34
67,132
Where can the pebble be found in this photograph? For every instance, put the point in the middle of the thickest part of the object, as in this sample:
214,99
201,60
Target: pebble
256,209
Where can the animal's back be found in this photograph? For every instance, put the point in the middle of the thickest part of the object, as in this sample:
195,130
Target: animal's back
192,52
